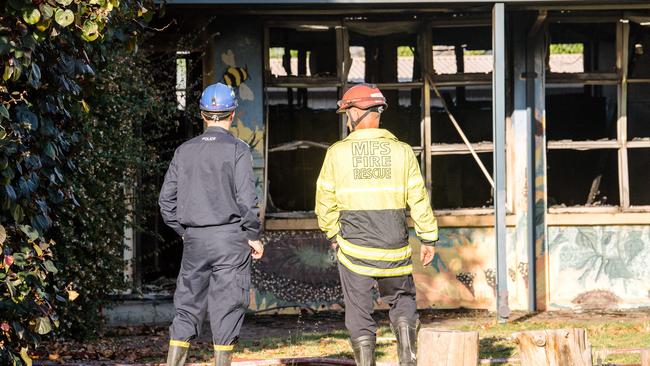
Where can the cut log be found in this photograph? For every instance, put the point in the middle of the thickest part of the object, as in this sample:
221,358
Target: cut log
645,357
447,348
555,347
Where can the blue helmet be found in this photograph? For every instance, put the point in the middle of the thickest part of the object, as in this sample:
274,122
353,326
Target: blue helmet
218,98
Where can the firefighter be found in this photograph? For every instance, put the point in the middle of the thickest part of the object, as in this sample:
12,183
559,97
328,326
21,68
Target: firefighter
209,199
365,186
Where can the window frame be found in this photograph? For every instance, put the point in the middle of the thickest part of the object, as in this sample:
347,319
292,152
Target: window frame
621,143
454,217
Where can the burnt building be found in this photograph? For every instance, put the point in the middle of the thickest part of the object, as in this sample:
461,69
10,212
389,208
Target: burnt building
531,120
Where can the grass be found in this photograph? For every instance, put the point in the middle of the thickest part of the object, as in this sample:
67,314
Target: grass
606,333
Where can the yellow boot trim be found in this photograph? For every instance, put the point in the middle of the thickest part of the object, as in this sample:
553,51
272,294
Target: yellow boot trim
183,344
218,347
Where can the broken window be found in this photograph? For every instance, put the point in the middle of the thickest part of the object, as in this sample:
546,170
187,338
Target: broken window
582,178
454,52
472,107
302,124
581,112
459,183
639,51
638,112
463,61
305,50
639,167
584,47
383,53
567,57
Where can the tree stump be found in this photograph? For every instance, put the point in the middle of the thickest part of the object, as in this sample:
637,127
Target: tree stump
447,348
645,357
555,347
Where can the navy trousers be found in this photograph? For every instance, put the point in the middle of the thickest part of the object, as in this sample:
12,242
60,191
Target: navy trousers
215,278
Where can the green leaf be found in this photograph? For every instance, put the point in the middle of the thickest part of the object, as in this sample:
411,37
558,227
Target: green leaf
9,70
4,112
46,11
17,214
42,325
32,234
90,31
31,16
25,356
64,17
50,267
64,2
50,151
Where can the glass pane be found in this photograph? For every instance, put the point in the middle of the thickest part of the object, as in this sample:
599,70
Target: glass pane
567,57
472,108
307,51
459,183
403,118
639,65
390,57
302,114
639,166
582,178
585,47
638,111
462,50
292,179
581,112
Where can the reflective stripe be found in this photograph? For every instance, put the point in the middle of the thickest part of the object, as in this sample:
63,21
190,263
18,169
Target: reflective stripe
176,343
369,189
375,254
374,272
229,347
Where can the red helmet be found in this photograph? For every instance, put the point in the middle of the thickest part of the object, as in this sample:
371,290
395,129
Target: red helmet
362,96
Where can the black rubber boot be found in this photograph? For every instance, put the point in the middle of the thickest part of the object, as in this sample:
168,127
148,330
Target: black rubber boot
222,358
407,336
364,350
177,353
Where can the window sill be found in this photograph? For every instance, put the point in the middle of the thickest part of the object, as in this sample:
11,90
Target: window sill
598,218
468,218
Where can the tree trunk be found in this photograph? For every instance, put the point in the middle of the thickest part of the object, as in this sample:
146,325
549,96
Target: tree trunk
556,347
447,348
645,357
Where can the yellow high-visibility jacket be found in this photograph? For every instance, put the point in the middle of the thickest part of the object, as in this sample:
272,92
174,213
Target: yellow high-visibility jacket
363,190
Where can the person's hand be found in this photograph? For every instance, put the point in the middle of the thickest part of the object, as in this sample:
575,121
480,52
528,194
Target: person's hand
257,249
334,244
427,252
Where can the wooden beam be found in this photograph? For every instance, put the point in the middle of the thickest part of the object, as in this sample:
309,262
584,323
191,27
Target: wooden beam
622,52
582,145
444,221
596,219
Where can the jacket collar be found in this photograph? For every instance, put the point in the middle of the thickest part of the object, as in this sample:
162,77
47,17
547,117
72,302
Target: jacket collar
370,133
216,129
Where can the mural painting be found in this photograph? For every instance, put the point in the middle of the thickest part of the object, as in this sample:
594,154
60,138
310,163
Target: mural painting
599,267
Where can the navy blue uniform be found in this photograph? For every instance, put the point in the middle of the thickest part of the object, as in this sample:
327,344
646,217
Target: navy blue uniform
209,198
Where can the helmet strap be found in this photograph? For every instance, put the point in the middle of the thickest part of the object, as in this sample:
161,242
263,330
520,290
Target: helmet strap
354,123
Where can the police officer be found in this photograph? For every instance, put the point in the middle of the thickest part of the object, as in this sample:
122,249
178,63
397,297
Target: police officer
208,197
365,186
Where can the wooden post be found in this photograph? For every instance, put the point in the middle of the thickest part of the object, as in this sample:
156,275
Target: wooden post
645,357
447,348
556,347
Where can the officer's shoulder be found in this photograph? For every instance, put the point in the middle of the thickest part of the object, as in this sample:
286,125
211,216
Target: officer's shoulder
241,143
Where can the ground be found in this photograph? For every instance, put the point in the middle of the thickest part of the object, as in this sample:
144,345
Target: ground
323,335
